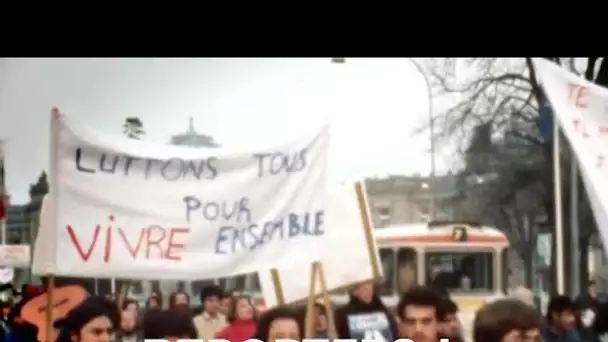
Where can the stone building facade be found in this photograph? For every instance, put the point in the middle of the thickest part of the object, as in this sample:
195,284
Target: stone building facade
408,199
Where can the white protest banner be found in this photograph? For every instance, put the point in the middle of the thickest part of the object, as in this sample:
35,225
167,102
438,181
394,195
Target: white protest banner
344,245
15,255
139,210
6,275
581,108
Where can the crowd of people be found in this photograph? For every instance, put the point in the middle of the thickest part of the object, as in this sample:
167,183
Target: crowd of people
423,314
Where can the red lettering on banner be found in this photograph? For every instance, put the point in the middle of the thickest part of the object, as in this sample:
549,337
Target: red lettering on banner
579,127
578,95
152,242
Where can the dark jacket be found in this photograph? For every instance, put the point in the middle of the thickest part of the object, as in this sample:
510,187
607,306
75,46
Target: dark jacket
569,336
358,320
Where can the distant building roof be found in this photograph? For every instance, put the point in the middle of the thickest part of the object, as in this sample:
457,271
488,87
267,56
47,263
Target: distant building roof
192,138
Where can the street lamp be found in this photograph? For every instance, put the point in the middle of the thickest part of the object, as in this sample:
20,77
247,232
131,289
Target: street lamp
429,91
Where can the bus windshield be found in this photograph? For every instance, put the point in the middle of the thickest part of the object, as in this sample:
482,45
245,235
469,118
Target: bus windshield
461,271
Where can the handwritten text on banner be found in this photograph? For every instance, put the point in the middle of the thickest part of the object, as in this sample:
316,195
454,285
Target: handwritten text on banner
134,209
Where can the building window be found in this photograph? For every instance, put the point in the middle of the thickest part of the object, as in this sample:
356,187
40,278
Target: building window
384,211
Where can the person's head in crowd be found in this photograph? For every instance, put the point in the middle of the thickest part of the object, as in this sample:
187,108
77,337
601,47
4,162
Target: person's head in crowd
179,300
448,320
91,321
210,298
128,322
234,293
280,323
507,320
5,306
130,304
592,288
364,292
171,325
560,313
226,303
153,302
418,311
241,309
435,268
320,314
113,297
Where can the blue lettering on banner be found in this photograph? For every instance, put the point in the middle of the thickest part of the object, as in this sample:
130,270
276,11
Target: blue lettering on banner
171,170
224,210
370,326
233,239
174,169
280,162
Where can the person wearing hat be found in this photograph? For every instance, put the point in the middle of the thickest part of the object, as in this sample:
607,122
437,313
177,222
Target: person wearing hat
91,321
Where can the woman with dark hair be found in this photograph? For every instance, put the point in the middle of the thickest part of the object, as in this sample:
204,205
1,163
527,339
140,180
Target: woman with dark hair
154,302
280,323
91,321
169,324
241,321
179,300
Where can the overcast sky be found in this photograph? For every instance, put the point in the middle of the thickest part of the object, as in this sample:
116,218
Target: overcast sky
374,105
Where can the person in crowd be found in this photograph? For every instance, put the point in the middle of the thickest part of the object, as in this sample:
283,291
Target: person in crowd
171,325
91,321
419,310
440,280
179,300
280,323
561,321
588,305
20,330
321,325
365,316
599,329
209,322
226,303
130,304
507,320
5,309
449,326
154,302
241,321
128,331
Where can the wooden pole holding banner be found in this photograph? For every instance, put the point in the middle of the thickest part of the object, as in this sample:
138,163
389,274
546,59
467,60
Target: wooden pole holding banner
54,192
278,286
332,333
367,227
50,287
317,277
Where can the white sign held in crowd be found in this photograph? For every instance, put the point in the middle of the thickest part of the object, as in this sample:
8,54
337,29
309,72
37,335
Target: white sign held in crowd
345,244
581,108
15,255
126,208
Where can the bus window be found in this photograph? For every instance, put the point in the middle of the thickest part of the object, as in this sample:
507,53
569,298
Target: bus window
236,283
461,271
406,269
387,259
254,283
